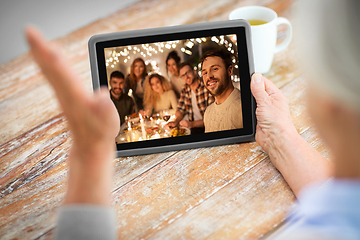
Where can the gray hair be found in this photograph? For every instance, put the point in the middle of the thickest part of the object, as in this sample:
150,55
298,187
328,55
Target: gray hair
329,43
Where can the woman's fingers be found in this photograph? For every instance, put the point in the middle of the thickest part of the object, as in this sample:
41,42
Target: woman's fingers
55,67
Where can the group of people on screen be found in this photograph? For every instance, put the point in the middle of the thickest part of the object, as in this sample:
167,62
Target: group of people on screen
206,104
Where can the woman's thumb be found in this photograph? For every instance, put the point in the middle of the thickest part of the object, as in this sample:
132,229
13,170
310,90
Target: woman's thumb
258,86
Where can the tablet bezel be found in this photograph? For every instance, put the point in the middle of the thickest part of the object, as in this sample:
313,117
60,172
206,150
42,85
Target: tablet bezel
98,43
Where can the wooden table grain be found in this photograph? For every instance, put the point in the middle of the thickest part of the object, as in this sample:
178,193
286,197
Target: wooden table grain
224,192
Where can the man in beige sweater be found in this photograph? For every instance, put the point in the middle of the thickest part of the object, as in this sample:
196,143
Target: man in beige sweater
226,112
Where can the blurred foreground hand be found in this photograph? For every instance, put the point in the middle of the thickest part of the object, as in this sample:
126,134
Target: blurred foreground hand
93,122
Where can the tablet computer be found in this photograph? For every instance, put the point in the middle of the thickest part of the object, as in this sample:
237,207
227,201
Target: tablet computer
178,87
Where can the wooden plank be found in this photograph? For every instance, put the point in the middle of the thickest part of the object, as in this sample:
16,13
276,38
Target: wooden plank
33,153
178,184
245,209
249,207
31,210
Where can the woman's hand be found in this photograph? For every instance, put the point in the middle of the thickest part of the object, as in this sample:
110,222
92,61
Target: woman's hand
93,122
272,113
298,162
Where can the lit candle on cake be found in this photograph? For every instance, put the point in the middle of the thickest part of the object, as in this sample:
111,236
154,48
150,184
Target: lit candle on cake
142,127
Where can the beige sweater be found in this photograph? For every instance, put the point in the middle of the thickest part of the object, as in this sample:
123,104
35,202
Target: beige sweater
166,101
225,116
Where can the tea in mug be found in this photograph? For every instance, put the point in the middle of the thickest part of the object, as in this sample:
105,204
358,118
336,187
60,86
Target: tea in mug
255,22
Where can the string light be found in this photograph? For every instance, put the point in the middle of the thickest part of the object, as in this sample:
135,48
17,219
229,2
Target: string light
190,44
154,65
214,39
188,52
147,50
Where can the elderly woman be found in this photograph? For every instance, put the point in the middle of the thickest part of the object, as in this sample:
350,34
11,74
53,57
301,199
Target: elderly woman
158,94
328,193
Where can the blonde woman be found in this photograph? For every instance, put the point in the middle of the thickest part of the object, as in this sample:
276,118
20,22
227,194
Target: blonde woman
158,94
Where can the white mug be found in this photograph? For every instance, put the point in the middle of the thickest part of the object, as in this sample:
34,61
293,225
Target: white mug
264,36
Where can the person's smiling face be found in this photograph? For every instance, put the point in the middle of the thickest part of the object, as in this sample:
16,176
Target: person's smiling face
116,86
172,67
139,69
156,85
187,74
215,75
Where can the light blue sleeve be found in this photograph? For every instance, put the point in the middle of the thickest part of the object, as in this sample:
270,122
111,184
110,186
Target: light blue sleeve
81,221
326,211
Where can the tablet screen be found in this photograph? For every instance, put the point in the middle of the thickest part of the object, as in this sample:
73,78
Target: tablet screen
178,88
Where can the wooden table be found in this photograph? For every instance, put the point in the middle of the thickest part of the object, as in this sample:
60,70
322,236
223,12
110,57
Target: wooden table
225,192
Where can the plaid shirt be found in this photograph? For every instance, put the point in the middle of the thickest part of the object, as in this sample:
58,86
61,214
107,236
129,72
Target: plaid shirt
203,99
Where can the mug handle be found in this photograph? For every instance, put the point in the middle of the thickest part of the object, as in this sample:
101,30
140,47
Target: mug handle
285,43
